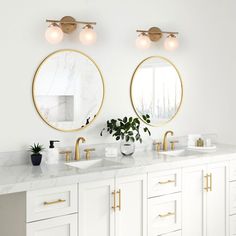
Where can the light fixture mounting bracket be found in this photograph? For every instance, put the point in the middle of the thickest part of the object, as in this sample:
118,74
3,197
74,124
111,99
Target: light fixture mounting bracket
155,34
68,24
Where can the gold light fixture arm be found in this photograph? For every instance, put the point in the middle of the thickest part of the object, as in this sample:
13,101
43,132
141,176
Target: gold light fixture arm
71,22
161,32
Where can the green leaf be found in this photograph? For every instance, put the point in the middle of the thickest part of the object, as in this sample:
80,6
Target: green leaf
118,138
127,138
125,119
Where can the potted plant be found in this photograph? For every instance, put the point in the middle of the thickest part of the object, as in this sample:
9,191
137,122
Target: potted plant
36,155
128,131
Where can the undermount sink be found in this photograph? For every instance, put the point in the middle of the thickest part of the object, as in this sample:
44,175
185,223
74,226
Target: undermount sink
180,152
91,164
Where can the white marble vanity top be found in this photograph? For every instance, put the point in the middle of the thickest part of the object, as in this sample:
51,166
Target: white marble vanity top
27,177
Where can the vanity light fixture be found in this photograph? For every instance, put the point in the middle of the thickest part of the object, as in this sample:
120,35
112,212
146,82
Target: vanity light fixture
154,34
57,28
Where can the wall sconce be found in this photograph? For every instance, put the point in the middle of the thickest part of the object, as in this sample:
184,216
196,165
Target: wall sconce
55,31
154,34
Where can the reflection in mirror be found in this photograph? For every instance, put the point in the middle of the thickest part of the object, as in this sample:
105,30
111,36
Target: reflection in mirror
156,90
68,90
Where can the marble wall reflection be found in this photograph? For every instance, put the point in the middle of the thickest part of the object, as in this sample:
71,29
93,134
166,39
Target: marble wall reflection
68,90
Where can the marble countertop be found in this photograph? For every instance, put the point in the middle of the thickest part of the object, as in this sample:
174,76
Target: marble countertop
27,177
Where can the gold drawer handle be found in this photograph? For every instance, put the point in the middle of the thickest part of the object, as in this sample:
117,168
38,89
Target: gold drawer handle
54,202
167,182
119,206
114,200
167,214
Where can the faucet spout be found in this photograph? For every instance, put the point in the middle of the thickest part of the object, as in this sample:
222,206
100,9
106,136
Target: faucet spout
77,151
165,144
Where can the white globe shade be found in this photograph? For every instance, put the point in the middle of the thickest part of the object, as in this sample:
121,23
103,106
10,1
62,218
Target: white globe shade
143,42
54,34
171,43
88,36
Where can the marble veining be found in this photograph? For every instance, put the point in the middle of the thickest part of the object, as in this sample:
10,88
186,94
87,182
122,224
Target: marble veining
26,177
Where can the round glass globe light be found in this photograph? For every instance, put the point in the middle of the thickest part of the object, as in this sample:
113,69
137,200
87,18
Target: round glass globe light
54,34
88,36
143,42
171,43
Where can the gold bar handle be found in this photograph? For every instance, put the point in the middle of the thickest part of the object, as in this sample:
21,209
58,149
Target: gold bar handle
114,200
167,214
119,193
54,202
167,182
210,175
207,182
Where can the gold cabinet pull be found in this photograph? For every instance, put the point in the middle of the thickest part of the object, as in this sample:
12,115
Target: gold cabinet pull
207,182
54,202
167,214
119,193
167,182
210,175
114,200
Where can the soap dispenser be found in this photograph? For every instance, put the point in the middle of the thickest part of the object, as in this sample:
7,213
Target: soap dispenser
52,156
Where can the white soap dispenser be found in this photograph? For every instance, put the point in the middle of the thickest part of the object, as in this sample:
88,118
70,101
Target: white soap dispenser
52,153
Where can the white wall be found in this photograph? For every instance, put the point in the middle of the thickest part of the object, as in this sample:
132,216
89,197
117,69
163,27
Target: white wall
206,60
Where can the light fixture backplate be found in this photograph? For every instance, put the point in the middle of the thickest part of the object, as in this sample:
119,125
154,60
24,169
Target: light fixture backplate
66,27
155,34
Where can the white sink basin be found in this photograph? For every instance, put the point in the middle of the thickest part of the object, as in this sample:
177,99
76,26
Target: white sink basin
91,164
180,152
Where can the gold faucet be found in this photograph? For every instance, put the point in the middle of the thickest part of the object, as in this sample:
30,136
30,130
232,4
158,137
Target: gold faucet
165,144
77,153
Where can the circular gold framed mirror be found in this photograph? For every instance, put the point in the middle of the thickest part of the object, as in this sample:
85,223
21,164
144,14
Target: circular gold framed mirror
156,90
68,90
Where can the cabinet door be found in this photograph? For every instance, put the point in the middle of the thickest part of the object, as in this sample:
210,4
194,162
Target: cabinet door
217,219
193,201
96,216
131,211
60,226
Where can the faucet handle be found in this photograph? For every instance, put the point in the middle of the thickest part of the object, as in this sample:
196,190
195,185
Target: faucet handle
88,152
67,154
158,146
172,144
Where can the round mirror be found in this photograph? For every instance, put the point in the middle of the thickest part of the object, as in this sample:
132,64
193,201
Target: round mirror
68,90
156,90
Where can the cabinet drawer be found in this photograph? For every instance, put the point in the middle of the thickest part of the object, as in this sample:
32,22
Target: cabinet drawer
233,225
164,214
60,226
232,198
161,183
232,170
176,233
46,203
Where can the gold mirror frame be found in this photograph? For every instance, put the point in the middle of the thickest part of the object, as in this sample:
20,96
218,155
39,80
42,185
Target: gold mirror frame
131,93
33,89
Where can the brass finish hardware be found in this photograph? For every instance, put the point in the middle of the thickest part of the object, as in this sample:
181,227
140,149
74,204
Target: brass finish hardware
77,153
88,152
167,182
69,24
172,144
54,202
207,183
158,146
210,188
155,33
200,143
119,193
165,145
208,178
114,200
167,214
67,154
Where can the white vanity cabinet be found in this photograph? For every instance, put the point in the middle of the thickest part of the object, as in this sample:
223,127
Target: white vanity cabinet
205,200
113,207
